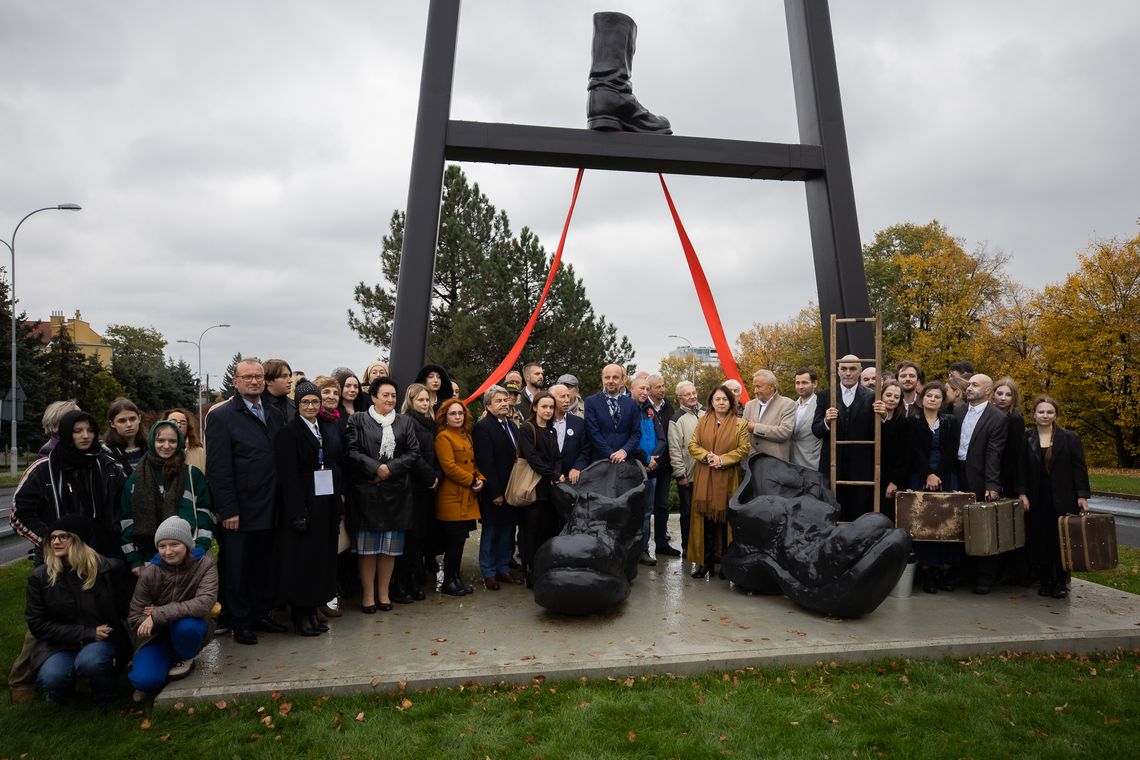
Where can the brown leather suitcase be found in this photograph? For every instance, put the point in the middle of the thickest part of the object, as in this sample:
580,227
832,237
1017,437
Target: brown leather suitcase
932,515
1088,542
993,527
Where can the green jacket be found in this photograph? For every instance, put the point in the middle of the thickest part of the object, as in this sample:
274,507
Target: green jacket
193,507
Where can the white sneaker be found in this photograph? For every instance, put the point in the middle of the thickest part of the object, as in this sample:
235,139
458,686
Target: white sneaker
180,669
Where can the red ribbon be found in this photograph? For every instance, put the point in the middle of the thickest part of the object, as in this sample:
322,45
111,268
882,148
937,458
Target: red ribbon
516,350
704,294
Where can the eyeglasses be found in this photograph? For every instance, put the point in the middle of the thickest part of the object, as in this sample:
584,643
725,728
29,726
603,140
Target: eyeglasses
59,538
309,402
250,378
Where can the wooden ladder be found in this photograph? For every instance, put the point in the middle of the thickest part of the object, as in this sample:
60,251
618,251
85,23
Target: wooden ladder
833,386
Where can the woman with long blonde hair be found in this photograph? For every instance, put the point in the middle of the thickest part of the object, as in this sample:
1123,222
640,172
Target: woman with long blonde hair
75,605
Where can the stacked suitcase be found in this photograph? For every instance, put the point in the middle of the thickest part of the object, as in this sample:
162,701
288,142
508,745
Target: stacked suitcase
993,527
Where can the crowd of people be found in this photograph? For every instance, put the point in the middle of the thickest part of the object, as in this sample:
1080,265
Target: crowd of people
349,487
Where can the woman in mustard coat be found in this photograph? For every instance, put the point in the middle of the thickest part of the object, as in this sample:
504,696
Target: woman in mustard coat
457,503
719,443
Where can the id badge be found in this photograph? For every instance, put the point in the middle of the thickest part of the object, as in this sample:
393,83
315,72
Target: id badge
322,483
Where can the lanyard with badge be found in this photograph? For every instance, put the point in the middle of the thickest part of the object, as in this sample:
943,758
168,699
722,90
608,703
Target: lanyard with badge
322,478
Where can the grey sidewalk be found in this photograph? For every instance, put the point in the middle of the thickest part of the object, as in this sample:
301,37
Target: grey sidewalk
670,624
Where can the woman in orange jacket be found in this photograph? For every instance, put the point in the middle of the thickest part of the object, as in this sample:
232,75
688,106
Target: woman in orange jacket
457,503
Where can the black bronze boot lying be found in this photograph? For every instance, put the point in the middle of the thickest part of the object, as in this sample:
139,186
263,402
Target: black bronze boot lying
792,545
588,567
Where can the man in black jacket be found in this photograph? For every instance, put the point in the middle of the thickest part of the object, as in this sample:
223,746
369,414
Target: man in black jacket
243,485
981,443
853,420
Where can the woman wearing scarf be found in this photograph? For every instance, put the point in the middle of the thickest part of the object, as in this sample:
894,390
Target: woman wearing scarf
163,485
76,478
308,454
382,452
719,443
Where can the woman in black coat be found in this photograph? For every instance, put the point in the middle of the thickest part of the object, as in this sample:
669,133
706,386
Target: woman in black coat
308,454
1014,462
77,478
76,601
1057,483
933,444
538,445
382,453
423,542
894,458
438,383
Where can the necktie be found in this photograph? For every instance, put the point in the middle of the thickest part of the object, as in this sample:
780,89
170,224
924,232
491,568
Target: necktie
257,411
507,430
615,410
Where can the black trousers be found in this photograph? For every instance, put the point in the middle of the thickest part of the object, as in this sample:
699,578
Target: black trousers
661,507
247,574
540,523
454,537
685,495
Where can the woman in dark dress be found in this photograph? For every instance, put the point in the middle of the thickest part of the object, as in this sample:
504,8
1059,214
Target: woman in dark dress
893,456
1014,461
1057,484
538,445
308,456
423,543
933,444
382,452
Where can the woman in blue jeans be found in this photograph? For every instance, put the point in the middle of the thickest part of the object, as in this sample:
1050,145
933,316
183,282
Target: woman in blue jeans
171,612
75,605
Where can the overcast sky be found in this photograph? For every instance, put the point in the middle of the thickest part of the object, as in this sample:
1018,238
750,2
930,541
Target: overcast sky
239,162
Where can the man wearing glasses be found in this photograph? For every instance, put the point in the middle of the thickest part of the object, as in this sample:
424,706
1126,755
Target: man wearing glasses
243,484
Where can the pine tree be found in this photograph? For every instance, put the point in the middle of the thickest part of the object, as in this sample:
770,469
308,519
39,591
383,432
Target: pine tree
228,378
485,287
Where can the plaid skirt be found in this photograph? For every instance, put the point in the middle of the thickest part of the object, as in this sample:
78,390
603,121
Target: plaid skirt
389,542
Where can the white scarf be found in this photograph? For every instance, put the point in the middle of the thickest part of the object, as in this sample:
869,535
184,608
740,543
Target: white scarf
387,439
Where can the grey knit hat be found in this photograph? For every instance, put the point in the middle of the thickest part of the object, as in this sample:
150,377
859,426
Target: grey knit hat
176,529
305,388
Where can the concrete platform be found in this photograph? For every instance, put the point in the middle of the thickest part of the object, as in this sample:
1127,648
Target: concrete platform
670,624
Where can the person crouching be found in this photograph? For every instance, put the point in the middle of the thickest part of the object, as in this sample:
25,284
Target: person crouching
171,611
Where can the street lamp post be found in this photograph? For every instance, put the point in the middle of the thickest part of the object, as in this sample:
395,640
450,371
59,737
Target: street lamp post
12,296
692,354
198,344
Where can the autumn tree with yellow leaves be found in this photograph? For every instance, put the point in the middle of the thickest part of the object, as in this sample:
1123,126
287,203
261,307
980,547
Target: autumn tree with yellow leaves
1088,329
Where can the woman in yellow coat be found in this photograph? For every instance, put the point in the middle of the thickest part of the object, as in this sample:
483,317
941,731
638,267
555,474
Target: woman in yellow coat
718,445
457,503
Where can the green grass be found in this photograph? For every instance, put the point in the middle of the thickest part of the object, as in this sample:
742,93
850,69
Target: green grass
1126,575
1002,706
1115,481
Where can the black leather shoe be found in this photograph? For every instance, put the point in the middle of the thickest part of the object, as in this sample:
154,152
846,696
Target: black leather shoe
981,590
316,622
418,595
243,635
368,609
467,589
304,626
1060,592
384,606
700,571
452,587
400,597
269,625
664,550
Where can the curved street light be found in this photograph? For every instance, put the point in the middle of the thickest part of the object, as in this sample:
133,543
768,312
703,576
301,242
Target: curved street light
12,296
692,354
198,345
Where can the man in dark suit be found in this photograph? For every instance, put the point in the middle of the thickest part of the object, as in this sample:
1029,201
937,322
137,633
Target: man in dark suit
495,438
613,420
853,420
573,442
663,410
243,486
981,442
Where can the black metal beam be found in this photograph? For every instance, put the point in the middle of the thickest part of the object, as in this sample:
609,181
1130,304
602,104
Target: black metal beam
840,279
626,151
412,318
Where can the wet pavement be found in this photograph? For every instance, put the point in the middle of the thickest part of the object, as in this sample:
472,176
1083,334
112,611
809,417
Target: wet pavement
670,624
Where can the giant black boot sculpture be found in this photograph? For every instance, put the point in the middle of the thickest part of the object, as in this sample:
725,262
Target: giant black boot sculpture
786,540
610,104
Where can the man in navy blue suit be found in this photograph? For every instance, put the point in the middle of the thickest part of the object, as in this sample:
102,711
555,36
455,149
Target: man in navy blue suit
243,486
613,420
571,429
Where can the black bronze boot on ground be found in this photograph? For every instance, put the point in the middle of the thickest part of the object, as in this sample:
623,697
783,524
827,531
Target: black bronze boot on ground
610,104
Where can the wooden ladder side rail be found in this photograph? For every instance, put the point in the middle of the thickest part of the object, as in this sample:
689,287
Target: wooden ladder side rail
877,442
